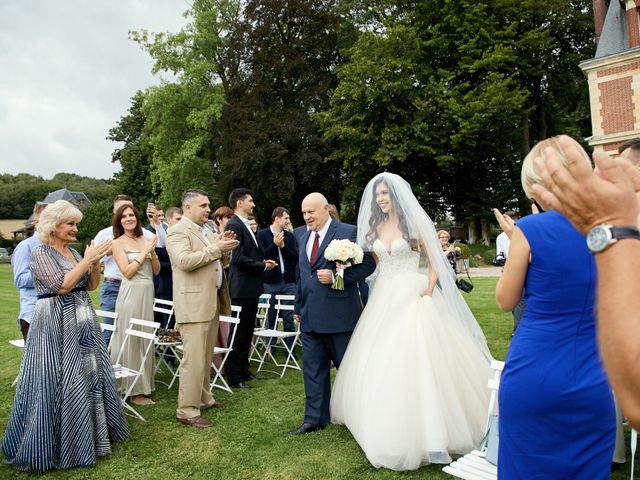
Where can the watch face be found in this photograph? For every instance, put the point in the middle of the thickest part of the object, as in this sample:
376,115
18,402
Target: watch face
598,238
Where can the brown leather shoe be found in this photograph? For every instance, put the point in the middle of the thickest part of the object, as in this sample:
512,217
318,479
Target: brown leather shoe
219,404
197,422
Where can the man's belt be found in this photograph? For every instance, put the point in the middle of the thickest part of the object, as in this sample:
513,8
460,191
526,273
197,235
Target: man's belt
114,280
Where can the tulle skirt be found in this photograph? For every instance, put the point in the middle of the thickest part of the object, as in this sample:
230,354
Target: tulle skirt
412,387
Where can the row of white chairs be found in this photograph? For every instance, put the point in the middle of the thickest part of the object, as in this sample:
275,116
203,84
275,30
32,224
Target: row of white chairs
148,331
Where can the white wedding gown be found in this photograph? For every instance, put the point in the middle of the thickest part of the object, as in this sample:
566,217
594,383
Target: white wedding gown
412,387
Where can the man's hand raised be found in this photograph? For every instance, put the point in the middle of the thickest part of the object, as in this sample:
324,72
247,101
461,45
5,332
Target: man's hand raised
227,241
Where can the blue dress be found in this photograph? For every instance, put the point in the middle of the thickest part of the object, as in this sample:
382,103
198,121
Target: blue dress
557,418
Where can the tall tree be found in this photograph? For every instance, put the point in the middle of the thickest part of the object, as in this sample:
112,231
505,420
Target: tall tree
134,157
269,140
442,93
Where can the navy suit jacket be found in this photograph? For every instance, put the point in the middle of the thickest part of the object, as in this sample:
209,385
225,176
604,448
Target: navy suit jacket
323,309
289,255
163,282
247,263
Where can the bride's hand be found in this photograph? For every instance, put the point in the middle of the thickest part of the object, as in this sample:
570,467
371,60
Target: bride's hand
428,292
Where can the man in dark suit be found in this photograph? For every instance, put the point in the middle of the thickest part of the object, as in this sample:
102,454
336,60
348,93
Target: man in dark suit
328,316
245,284
280,246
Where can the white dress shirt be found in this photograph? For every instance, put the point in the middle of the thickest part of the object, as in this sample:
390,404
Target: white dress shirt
502,244
279,252
312,236
248,225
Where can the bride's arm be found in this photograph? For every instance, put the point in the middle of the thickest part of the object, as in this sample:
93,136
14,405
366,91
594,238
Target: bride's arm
433,274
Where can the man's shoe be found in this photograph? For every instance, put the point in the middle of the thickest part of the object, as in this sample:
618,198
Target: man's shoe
306,428
251,376
197,422
242,384
220,404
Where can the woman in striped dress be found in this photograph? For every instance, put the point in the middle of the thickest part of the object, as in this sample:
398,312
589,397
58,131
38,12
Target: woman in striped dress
66,411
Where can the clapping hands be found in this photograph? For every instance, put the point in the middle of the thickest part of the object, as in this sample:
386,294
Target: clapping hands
227,241
93,254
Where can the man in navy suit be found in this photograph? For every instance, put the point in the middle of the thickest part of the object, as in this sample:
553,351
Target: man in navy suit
245,284
328,316
280,246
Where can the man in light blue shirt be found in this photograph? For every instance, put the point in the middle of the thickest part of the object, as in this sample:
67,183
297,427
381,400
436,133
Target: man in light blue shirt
22,274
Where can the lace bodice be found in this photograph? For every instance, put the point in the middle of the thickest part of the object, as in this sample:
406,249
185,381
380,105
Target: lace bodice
400,259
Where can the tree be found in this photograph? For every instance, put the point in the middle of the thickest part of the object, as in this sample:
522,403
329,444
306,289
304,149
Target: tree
269,141
443,93
134,157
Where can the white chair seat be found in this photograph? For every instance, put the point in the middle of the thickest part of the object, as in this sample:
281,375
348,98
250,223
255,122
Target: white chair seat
474,466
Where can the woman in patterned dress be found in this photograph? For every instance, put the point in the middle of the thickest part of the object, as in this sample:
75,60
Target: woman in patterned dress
66,411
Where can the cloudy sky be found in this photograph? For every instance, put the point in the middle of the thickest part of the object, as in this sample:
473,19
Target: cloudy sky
67,73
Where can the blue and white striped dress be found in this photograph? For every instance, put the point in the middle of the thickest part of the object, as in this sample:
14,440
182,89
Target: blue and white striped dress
66,411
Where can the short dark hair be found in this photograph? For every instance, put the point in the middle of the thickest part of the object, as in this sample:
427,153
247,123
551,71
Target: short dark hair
172,211
633,144
193,193
238,194
220,213
118,229
278,212
122,198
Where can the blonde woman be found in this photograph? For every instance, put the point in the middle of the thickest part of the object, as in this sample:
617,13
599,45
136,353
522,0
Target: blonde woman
557,417
66,410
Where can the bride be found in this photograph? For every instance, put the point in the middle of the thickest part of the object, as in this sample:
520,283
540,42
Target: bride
412,387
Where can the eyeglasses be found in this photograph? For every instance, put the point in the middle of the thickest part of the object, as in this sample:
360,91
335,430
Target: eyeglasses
444,236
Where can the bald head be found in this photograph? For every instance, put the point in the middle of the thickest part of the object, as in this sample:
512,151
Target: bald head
315,210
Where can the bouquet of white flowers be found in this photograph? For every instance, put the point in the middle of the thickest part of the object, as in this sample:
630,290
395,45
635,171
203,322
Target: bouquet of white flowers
345,253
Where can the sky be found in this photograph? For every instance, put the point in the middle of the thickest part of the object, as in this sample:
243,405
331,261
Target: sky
67,73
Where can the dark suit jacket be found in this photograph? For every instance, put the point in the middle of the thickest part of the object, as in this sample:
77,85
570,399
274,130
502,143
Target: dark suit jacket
247,263
163,282
323,309
289,255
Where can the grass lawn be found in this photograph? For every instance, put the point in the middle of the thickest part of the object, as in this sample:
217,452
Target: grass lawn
249,439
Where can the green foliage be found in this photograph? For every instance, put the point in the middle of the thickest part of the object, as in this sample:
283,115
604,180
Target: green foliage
134,177
452,94
465,252
19,193
95,217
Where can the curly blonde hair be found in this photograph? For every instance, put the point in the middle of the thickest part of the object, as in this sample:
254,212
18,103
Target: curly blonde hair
55,215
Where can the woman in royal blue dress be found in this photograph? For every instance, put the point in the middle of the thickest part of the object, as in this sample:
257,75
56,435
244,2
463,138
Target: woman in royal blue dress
557,417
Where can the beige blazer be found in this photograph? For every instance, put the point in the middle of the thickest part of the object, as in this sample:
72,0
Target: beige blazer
195,274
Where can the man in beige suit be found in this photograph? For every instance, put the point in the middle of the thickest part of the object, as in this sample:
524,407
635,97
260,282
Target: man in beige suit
200,294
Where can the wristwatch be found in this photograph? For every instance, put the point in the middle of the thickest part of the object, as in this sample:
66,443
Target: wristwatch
603,236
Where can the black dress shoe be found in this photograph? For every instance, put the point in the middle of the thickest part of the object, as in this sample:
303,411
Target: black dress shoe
306,428
241,384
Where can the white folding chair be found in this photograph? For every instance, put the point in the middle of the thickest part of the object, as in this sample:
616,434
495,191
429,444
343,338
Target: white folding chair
179,349
218,380
18,343
474,466
264,304
108,327
166,348
164,306
120,371
266,336
634,446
